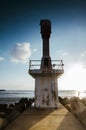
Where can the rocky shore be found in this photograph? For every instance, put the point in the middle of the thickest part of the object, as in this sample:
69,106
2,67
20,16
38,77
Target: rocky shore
76,106
9,112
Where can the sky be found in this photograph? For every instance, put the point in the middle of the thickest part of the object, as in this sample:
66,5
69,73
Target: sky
20,41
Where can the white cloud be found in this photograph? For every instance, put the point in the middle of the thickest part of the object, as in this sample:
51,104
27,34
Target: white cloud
83,58
35,49
83,54
1,58
21,52
64,54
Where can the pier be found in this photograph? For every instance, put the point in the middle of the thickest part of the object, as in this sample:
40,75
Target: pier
46,119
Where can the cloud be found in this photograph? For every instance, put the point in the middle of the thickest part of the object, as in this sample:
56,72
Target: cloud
83,54
35,49
21,52
83,58
64,54
1,58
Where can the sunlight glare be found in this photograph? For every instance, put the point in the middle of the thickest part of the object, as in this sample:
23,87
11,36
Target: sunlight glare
74,79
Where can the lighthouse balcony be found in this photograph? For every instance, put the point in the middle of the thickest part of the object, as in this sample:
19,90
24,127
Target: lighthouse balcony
35,68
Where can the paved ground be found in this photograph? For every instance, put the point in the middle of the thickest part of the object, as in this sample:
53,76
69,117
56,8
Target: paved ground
36,119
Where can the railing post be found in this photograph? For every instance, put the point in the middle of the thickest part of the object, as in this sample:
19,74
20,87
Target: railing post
29,64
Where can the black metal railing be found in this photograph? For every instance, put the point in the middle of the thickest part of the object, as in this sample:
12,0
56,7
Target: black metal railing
36,64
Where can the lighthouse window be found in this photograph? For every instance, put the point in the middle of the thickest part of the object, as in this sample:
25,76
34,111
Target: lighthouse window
46,61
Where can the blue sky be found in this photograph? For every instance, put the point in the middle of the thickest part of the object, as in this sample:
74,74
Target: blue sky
20,40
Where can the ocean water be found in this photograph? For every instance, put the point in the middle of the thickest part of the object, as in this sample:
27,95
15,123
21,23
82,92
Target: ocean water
13,96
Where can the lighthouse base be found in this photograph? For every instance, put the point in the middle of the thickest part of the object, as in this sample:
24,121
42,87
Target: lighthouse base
46,92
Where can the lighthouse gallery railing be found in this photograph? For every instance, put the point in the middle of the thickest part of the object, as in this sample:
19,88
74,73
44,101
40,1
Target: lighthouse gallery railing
56,64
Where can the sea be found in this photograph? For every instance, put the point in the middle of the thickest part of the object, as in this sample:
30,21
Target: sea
13,96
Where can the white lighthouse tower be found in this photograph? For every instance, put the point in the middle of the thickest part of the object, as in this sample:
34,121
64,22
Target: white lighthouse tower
46,72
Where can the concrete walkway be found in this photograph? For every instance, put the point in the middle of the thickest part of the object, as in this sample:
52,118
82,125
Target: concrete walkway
36,119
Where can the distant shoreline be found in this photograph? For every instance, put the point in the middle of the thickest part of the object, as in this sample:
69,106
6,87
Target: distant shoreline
2,90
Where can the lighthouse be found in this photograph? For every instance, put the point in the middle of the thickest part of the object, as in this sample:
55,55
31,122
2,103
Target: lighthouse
46,72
